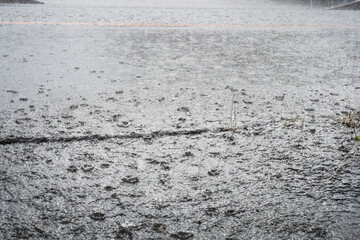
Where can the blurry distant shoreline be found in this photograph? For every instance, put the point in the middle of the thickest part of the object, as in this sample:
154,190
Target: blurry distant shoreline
329,4
21,1
323,3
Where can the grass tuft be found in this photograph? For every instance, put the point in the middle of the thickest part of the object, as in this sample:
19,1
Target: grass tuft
351,120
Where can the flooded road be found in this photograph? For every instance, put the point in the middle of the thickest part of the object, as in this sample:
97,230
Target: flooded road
115,121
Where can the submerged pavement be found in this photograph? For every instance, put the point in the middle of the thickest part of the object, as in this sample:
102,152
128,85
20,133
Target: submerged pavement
156,120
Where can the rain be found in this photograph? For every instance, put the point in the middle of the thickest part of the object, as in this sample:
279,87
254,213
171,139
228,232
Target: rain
179,119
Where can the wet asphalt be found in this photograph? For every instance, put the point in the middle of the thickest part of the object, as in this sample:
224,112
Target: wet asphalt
186,120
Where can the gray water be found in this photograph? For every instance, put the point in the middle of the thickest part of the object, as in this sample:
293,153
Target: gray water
122,131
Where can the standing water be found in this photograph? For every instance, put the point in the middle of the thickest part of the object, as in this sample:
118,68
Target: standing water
116,118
